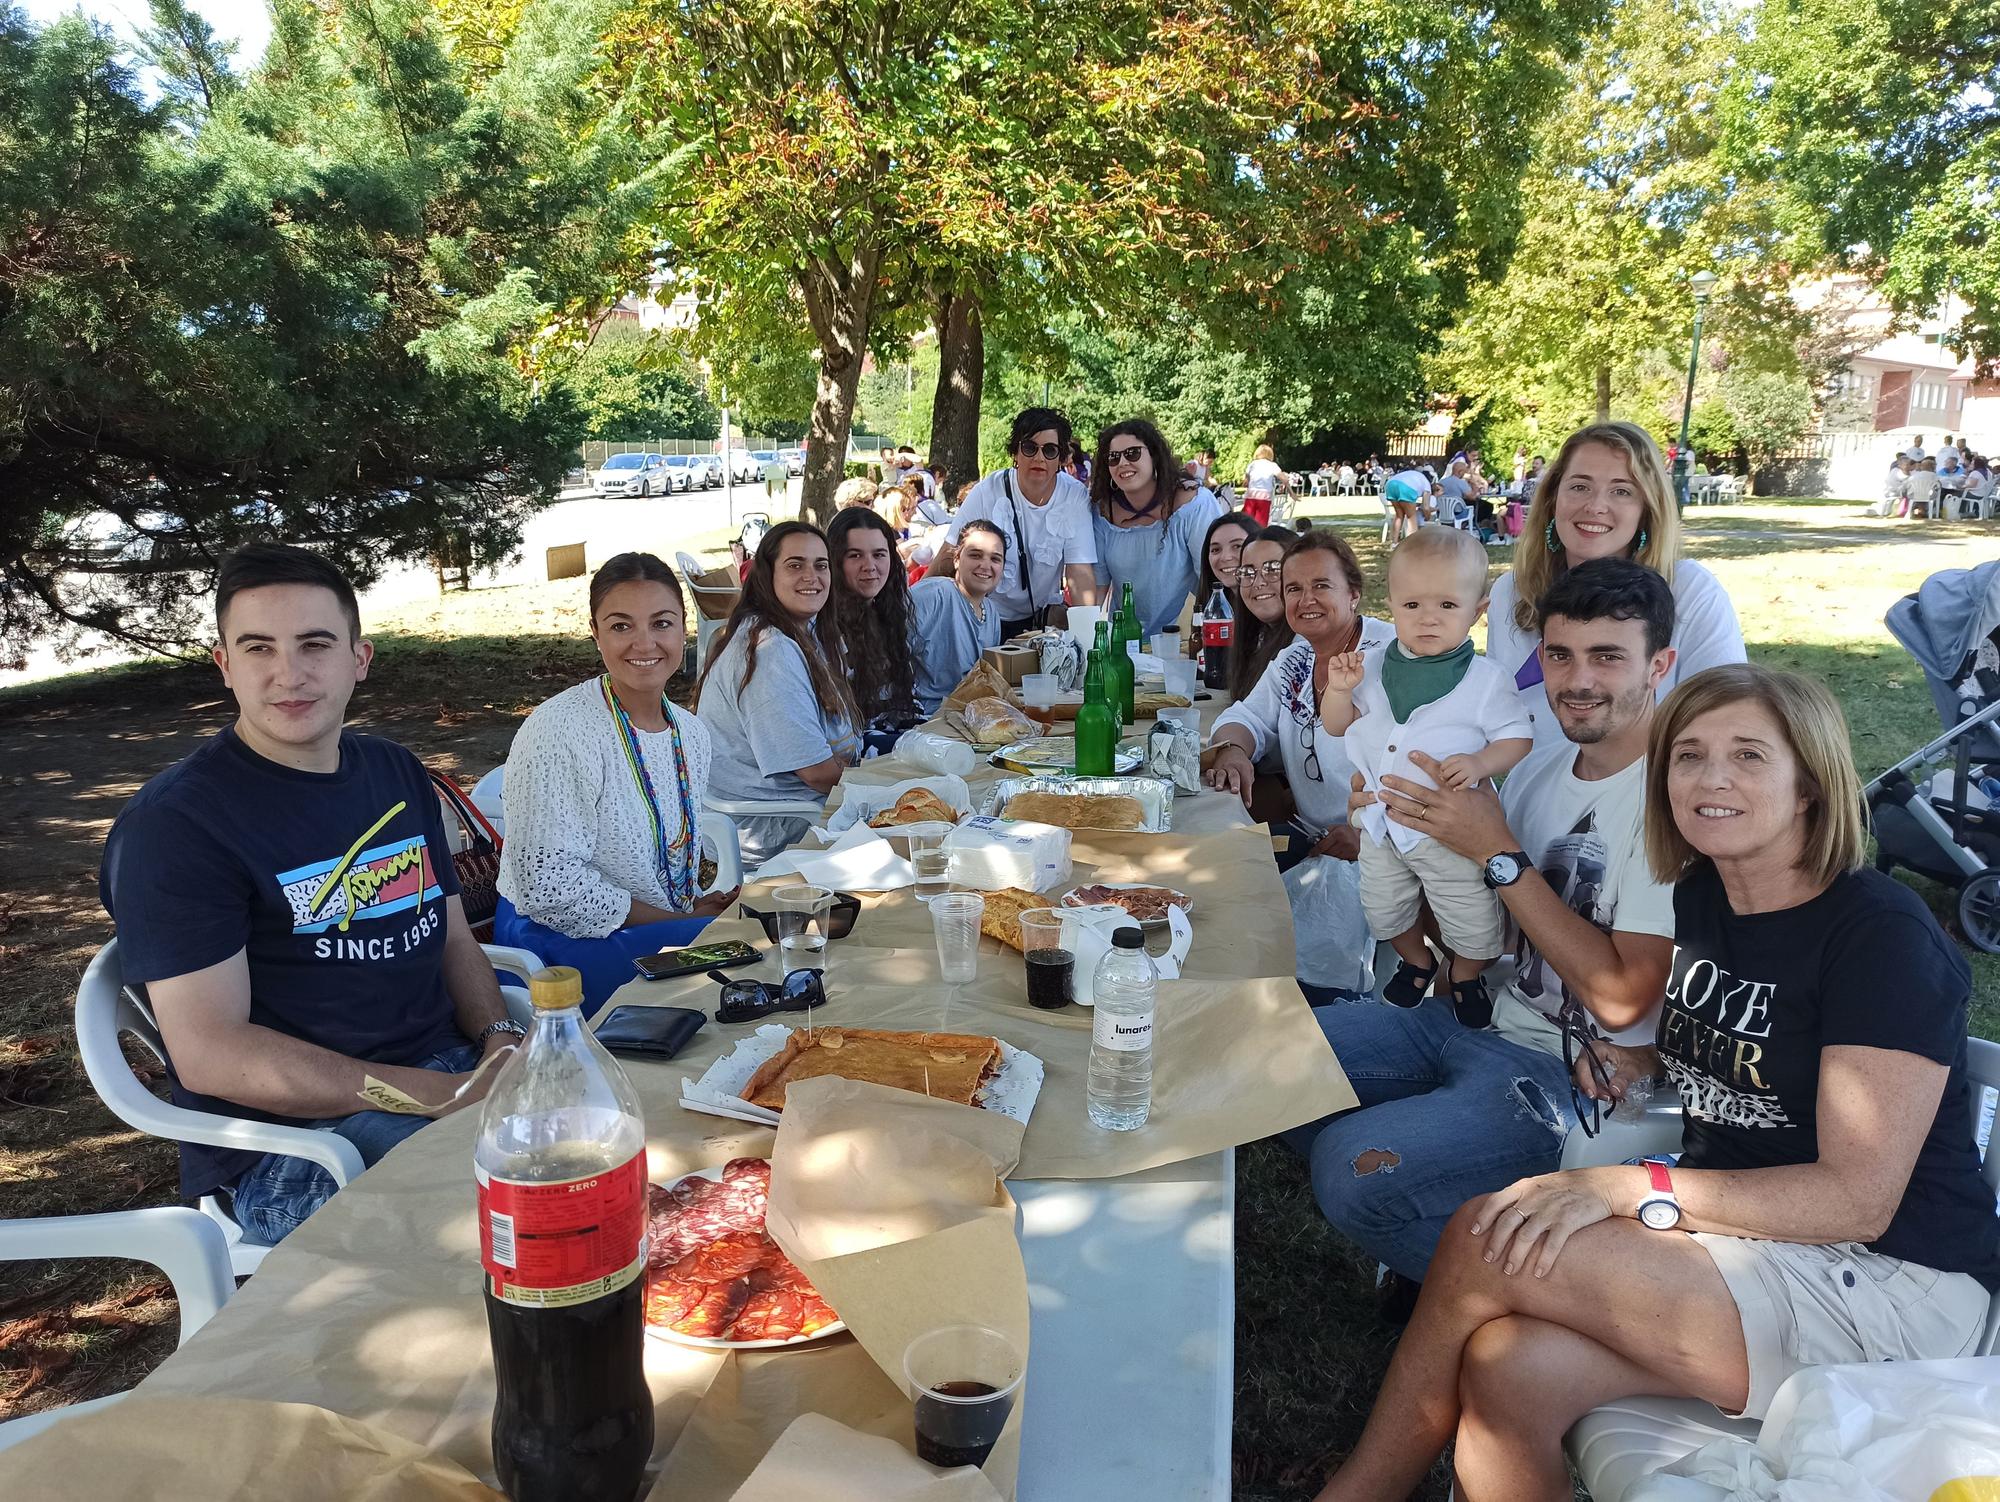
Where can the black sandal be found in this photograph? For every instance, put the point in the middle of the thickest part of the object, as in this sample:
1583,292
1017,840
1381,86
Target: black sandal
1407,986
1471,1001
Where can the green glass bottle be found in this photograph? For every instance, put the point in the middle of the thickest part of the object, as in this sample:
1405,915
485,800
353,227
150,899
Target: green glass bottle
1121,673
1102,646
1096,720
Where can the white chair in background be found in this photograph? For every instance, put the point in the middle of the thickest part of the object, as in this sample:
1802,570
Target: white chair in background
107,1008
717,830
184,1244
486,797
1617,1445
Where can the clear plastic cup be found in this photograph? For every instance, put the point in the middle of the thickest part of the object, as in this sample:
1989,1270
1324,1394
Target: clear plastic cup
1178,674
955,923
802,919
1167,645
930,860
963,1380
1038,690
1051,963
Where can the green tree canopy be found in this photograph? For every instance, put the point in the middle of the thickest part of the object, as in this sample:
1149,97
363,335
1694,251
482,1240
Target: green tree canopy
305,304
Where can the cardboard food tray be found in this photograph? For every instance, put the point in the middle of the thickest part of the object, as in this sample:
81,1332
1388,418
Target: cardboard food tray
719,1092
1156,797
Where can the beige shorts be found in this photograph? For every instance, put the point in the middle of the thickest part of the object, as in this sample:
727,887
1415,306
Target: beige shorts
1395,882
1824,1305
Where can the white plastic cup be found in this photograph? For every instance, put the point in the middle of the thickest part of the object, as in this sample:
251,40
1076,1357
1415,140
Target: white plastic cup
1178,674
1038,690
1083,621
955,924
1167,645
1188,716
803,913
936,753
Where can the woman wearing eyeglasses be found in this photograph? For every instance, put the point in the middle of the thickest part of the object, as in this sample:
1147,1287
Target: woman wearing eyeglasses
1150,522
1827,1205
1320,584
1262,631
1045,516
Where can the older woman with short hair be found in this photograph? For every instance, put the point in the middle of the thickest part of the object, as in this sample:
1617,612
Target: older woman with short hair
1606,496
1827,1205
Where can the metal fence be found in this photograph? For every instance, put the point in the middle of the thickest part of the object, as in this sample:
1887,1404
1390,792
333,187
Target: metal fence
597,450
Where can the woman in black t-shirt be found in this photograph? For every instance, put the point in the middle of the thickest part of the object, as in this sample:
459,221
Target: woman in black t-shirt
1827,1206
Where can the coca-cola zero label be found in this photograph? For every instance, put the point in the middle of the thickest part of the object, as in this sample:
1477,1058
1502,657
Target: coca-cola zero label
547,1245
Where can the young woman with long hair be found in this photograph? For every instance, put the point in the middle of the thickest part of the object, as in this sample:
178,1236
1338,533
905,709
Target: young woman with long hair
1606,496
603,790
1150,522
871,614
1262,631
774,693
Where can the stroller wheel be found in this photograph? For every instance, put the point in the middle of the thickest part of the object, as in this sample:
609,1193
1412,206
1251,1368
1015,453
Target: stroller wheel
1979,911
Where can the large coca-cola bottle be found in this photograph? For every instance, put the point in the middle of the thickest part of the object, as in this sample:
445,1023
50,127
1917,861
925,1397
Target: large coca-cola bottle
561,1168
1218,632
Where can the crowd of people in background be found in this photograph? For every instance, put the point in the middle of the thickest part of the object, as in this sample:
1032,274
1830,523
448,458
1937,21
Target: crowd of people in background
1671,874
1954,482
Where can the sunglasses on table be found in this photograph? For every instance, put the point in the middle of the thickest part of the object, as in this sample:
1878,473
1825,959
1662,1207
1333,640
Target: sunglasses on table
747,1000
1124,456
1027,448
1577,1041
839,917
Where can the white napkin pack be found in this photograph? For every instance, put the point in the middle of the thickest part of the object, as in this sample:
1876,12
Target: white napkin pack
991,853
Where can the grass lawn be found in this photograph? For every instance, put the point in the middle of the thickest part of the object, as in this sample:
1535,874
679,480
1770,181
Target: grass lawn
1811,581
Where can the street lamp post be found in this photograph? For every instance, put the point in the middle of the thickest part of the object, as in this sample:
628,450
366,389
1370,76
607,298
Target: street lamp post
1702,283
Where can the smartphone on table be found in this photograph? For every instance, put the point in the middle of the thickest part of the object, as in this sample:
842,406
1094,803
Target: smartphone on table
669,963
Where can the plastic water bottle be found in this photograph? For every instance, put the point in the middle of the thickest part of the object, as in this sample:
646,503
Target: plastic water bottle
1121,1034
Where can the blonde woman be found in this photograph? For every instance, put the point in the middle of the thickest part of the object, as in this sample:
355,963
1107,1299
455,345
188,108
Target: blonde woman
1260,485
1827,1205
1606,496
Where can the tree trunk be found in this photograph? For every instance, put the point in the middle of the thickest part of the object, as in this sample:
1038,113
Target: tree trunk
961,371
840,302
1604,393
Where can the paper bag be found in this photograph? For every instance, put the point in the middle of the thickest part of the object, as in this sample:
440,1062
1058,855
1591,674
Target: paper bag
175,1449
985,681
830,1462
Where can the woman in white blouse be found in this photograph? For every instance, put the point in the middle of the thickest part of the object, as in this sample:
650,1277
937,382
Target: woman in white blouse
1606,496
1321,580
604,784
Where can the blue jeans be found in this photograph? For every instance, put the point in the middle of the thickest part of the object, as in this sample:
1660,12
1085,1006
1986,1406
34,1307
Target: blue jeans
1447,1113
277,1192
605,964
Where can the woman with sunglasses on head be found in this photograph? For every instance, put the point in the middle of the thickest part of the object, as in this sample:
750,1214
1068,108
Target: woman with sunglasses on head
1606,496
871,616
604,784
1045,516
1150,522
774,691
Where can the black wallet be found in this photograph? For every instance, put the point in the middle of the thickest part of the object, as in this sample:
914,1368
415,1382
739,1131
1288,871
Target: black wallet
649,1032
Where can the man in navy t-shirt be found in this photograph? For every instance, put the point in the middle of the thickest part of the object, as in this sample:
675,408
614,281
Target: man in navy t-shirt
287,898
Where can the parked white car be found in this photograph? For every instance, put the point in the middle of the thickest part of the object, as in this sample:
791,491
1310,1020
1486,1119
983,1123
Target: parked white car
632,475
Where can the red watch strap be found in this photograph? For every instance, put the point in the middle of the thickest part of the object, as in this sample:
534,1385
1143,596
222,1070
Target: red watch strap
1657,1172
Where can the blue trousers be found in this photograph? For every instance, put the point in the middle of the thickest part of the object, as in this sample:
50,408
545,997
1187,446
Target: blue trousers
1447,1113
605,964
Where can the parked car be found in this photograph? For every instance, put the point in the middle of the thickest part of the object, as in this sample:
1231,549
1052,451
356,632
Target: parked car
682,470
794,460
632,475
745,467
704,471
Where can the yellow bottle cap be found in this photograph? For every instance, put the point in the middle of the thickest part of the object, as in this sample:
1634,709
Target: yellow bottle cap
556,987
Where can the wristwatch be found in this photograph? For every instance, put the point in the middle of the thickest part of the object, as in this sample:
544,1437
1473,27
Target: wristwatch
1660,1210
1504,869
505,1025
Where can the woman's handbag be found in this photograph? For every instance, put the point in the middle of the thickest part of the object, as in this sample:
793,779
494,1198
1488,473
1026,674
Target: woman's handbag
478,864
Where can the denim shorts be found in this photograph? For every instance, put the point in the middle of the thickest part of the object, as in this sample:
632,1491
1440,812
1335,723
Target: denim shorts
277,1192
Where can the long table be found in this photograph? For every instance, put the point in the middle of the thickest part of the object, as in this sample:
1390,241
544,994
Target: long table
371,1308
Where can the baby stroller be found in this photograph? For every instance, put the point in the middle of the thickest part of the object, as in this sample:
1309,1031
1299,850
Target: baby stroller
1938,810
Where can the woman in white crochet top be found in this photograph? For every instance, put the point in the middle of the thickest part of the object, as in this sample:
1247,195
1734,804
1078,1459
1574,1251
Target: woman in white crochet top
603,790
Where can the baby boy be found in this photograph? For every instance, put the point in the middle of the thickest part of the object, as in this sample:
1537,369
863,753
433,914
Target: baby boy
1427,691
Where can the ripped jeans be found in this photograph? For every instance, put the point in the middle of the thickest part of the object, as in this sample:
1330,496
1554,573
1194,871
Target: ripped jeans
1447,1113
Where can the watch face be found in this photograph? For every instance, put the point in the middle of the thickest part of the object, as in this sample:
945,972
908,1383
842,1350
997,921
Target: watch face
1503,869
1660,1215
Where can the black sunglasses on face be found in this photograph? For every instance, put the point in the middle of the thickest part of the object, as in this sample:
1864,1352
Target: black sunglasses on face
1125,456
747,1000
1027,448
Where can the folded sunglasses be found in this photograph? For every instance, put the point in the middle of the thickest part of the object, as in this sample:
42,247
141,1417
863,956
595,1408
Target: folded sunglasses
747,1000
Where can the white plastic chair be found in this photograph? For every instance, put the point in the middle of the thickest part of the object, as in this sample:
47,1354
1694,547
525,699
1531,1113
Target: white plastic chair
718,836
486,796
1615,1446
106,1008
733,809
184,1244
